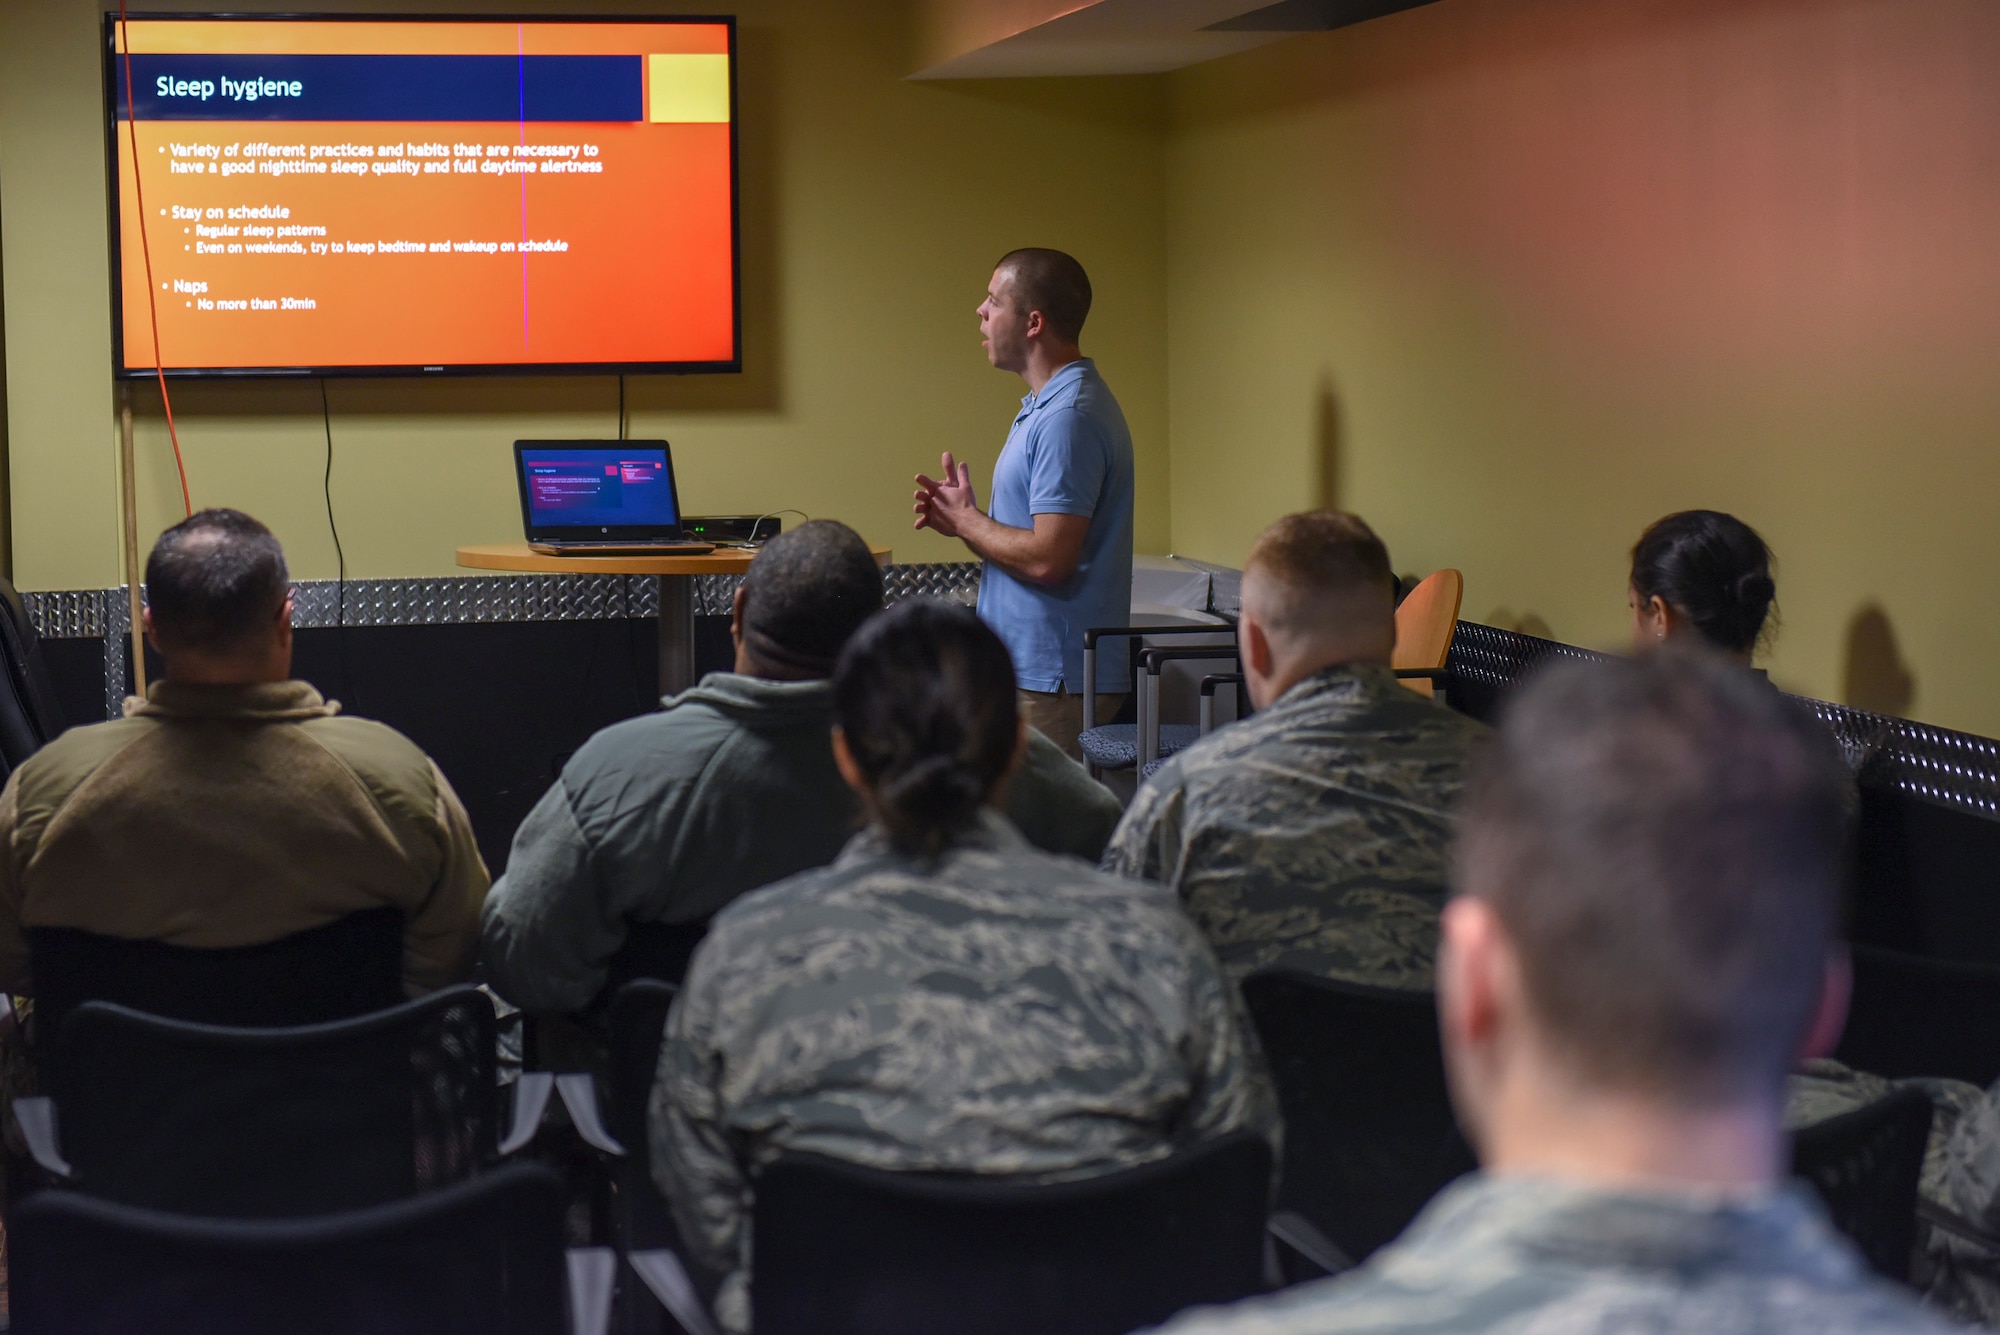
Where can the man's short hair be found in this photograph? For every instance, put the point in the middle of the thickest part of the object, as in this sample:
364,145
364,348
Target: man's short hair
1662,838
1319,567
809,590
1051,282
214,581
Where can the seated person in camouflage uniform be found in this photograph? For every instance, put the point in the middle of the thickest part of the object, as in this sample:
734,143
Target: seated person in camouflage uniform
1641,946
1312,835
943,997
665,818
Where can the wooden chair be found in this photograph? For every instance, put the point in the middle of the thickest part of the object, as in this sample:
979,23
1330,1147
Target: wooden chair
1424,625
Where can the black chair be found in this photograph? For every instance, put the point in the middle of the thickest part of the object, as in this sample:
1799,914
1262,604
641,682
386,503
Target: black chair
348,967
262,1123
1369,1130
1865,1165
846,1250
482,1258
1912,1016
636,1024
652,950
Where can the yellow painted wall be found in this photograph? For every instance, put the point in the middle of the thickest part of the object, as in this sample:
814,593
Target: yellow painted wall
1512,278
1509,277
872,211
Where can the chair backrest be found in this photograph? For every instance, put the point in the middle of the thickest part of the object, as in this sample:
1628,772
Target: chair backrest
1369,1130
1865,1165
652,950
636,1026
262,1123
1912,1016
350,966
483,1258
30,714
846,1250
1425,621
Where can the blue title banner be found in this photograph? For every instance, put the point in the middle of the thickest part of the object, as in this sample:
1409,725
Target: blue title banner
387,88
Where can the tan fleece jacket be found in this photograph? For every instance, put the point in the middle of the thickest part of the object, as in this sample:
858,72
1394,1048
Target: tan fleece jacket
215,816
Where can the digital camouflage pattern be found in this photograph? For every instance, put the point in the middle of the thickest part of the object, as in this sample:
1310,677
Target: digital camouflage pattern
1957,1265
1000,1011
1312,835
1533,1254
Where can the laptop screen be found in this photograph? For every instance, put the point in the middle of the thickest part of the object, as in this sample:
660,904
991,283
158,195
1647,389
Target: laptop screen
598,489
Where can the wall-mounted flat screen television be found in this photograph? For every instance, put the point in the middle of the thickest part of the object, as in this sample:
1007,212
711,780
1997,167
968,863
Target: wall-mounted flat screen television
362,195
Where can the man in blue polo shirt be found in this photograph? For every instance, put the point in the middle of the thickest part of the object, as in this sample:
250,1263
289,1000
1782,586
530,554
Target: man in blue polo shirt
1057,543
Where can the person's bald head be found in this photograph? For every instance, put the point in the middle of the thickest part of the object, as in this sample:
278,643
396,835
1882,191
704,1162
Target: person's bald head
217,599
1318,588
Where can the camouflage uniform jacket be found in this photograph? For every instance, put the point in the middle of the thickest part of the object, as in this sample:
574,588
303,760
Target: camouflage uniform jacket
1534,1254
1957,1261
1000,1011
1312,835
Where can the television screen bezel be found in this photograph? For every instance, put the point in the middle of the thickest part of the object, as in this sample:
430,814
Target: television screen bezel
113,76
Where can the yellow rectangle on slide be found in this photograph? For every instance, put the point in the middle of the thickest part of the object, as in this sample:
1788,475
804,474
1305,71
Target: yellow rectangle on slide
685,88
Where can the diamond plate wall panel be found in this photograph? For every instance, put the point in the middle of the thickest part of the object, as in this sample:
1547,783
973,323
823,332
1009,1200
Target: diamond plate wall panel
1500,657
116,618
954,581
715,595
68,614
454,600
1954,769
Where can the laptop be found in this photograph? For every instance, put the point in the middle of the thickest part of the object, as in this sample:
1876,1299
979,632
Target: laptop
601,498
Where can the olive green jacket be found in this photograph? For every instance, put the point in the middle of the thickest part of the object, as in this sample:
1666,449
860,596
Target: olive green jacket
219,816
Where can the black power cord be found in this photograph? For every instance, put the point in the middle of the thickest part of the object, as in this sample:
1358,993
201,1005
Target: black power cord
339,552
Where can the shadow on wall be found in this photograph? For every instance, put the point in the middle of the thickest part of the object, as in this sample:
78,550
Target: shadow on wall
1875,677
1327,443
1521,623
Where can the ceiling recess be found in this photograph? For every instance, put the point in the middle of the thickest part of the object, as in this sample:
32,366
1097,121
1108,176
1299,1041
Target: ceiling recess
1312,15
1028,40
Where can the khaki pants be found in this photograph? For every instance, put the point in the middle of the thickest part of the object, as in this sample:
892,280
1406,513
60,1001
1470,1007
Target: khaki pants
1059,715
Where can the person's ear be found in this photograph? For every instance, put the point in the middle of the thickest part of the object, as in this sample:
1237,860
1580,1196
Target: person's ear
285,610
1473,973
736,605
1036,325
843,760
1660,613
1258,660
1830,1015
146,621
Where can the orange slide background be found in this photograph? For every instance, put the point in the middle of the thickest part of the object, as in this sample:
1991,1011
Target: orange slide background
647,277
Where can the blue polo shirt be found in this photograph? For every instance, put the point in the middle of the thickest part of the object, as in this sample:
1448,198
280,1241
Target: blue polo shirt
1069,453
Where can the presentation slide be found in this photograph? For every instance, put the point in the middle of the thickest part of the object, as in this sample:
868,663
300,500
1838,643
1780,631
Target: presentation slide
601,487
425,195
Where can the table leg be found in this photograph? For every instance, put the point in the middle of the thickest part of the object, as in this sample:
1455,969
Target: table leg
676,633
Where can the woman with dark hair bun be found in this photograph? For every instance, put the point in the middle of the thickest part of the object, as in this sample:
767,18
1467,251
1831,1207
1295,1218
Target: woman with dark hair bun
1705,574
929,725
944,997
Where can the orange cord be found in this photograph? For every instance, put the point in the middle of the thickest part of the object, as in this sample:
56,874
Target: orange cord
146,249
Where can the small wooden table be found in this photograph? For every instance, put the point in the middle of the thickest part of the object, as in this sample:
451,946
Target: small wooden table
675,573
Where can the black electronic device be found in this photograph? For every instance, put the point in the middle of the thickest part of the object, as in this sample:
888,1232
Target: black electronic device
601,498
732,530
